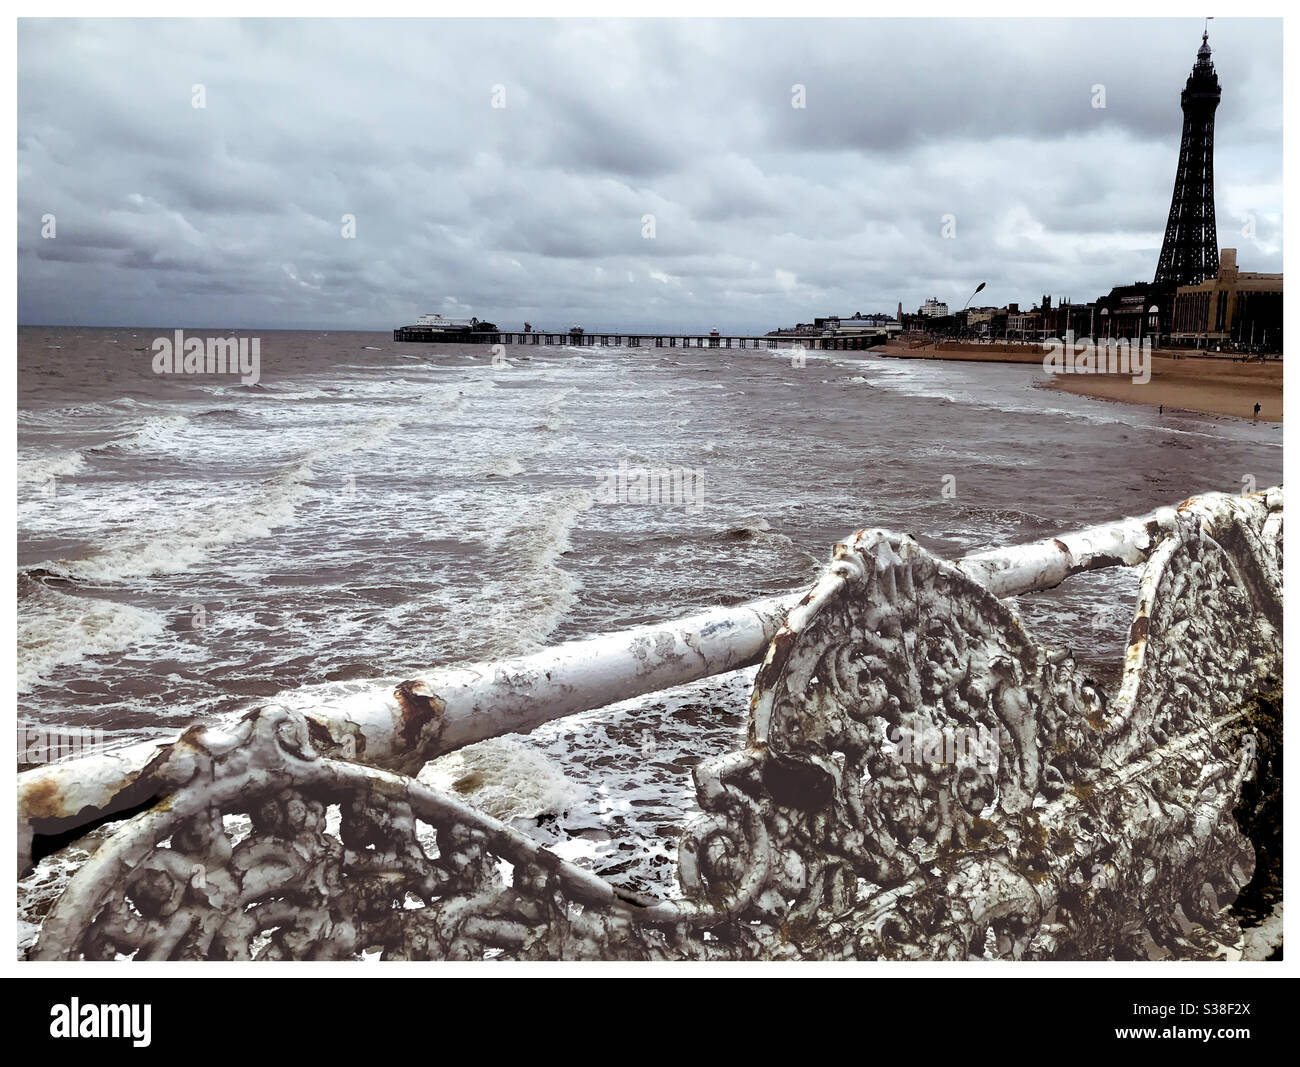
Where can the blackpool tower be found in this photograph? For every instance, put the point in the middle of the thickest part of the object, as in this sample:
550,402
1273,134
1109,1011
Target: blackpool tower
1190,253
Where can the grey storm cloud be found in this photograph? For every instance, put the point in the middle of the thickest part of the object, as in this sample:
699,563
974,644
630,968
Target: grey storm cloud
233,214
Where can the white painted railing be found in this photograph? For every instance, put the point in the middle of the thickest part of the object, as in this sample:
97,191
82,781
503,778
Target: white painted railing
804,848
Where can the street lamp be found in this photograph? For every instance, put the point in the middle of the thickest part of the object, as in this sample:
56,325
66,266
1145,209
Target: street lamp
978,289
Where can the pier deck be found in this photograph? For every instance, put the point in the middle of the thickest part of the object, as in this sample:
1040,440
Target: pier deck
842,342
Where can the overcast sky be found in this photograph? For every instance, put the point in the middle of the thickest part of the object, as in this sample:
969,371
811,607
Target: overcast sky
231,215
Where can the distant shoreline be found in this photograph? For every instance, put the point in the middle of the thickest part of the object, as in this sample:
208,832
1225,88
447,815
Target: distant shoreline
989,354
1206,385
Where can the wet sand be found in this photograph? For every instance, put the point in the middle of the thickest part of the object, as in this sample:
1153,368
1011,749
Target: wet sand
1215,386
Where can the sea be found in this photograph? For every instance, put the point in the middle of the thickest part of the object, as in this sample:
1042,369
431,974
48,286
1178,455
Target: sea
191,546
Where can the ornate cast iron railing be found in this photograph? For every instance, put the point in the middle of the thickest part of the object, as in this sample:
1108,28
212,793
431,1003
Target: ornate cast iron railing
921,780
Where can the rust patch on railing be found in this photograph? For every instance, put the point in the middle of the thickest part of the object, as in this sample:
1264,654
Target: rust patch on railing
1139,630
419,707
44,800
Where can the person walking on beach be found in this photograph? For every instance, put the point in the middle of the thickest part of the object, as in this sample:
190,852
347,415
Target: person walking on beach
1256,411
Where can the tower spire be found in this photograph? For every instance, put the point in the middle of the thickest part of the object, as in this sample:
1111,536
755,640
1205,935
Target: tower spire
1190,252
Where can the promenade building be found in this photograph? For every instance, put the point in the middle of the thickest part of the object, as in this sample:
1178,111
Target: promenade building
1232,308
1131,311
1025,325
1067,316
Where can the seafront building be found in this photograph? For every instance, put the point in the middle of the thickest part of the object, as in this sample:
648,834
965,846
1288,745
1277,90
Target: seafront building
974,317
1129,311
1023,324
841,326
1238,308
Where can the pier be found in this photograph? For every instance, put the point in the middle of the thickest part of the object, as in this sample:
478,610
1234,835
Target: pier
826,343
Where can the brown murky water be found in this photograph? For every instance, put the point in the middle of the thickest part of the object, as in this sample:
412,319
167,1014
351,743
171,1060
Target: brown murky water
189,545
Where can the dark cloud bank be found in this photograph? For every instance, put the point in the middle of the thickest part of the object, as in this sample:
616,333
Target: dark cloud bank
764,214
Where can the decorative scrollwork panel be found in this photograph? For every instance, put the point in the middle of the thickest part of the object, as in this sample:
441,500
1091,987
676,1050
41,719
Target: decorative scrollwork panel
921,780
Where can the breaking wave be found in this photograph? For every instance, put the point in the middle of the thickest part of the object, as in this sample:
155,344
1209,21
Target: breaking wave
155,433
43,468
205,528
55,629
527,594
504,779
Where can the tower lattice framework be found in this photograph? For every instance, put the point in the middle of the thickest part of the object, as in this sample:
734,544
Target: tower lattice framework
1190,252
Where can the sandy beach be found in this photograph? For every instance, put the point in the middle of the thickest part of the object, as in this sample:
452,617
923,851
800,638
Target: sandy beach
1216,386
